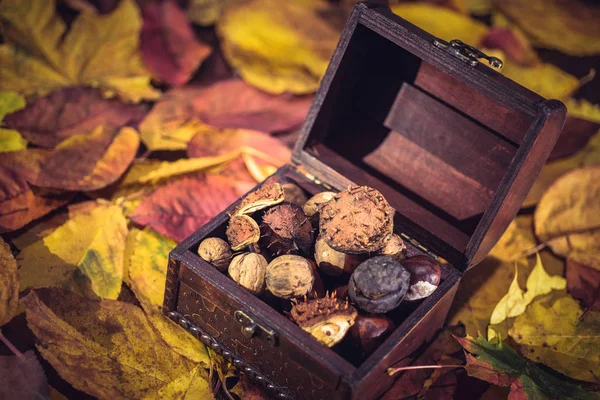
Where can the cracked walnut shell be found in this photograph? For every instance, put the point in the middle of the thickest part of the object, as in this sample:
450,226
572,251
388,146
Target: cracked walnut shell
242,231
357,220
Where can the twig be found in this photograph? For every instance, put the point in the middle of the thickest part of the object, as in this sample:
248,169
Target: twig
531,251
11,347
392,371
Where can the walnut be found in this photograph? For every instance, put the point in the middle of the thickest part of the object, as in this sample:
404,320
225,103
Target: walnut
333,262
326,319
215,251
357,220
286,230
266,196
394,248
249,270
242,231
290,277
312,207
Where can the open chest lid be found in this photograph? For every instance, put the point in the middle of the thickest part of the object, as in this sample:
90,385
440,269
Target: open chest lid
452,144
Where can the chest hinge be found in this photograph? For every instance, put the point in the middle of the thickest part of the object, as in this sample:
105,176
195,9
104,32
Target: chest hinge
466,53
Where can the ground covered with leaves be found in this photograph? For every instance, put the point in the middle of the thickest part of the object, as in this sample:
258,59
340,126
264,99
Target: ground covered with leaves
125,126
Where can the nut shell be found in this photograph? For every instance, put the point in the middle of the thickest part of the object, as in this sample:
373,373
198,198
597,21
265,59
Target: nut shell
265,196
249,270
333,262
357,220
242,231
290,277
286,230
394,248
313,205
294,194
425,277
379,284
215,251
326,319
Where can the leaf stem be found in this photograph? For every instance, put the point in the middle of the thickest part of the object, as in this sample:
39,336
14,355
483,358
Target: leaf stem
392,371
531,251
11,347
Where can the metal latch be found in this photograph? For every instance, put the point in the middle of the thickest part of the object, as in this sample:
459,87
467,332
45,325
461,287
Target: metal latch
466,53
252,329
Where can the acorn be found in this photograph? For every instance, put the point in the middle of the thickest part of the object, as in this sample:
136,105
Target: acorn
327,319
358,220
286,230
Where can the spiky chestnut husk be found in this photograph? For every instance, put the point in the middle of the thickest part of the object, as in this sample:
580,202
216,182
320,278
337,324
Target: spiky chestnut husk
379,284
266,196
357,220
327,319
242,231
215,251
286,230
425,276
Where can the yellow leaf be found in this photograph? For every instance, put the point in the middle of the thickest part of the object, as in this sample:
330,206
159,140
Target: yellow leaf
278,46
185,166
568,216
588,155
517,239
86,252
192,386
516,301
583,109
105,348
550,332
175,137
545,79
9,284
11,140
442,22
38,56
569,26
148,260
10,102
205,12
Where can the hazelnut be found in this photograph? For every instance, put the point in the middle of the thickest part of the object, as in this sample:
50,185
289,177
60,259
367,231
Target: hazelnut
215,251
379,284
424,276
357,220
242,231
286,230
394,248
326,319
332,262
313,205
294,194
249,270
290,277
266,196
369,331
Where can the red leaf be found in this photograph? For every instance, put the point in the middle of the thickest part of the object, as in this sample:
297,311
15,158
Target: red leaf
168,44
49,120
178,209
514,44
227,104
574,136
584,284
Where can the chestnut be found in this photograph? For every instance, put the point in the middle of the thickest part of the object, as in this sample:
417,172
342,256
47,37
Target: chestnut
369,331
424,276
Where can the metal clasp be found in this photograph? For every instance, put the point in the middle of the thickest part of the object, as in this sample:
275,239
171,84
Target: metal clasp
251,329
467,53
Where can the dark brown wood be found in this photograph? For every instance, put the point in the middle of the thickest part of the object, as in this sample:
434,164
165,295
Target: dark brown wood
453,143
454,148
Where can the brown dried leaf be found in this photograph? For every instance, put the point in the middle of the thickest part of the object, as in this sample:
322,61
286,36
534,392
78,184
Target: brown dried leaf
23,378
19,204
89,161
177,209
105,348
9,284
513,43
257,37
569,26
175,119
583,283
168,44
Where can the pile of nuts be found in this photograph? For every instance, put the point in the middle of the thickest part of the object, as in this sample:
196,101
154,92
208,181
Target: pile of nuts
331,263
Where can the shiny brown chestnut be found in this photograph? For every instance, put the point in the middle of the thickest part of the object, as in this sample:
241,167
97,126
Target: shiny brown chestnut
424,277
369,331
